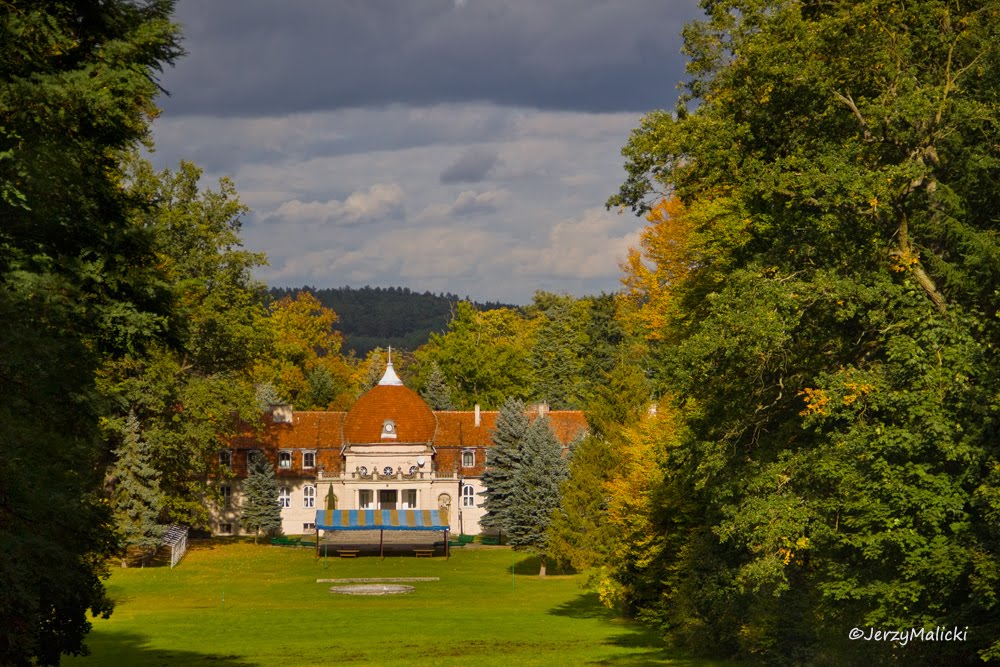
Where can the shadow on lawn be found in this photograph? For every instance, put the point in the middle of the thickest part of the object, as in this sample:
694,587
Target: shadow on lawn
529,566
647,645
126,648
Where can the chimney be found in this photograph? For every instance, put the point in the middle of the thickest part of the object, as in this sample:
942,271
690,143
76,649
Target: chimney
478,418
281,413
543,409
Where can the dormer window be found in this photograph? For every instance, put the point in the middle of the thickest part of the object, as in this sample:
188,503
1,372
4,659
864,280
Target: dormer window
388,430
468,458
226,458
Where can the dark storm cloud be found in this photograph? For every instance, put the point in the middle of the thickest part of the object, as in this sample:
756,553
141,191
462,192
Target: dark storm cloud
472,167
260,57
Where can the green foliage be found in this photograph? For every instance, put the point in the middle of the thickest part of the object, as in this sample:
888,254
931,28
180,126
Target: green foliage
260,511
191,391
136,499
436,392
560,351
77,282
833,344
579,532
484,356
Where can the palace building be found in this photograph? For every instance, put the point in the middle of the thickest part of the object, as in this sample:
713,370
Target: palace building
389,451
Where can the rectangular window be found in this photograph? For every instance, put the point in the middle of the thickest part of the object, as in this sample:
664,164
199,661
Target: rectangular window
468,496
285,497
252,456
468,458
227,496
226,458
308,459
365,499
308,526
309,497
226,528
409,499
284,460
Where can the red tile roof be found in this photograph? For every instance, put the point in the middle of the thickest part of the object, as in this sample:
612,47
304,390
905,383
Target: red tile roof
449,431
413,417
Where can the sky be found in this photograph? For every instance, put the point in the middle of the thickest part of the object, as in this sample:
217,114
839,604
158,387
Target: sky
459,146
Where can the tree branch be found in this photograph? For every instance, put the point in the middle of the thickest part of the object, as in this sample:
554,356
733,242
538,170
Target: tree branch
854,109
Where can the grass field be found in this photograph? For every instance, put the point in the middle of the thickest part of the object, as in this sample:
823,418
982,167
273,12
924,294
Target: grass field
237,604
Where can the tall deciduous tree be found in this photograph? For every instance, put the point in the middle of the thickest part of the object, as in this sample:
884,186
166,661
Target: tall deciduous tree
191,390
833,344
77,282
306,367
485,355
136,499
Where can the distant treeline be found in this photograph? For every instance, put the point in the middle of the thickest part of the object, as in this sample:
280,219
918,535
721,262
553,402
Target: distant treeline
372,317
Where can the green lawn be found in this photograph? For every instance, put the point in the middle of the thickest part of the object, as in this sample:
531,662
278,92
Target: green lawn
236,604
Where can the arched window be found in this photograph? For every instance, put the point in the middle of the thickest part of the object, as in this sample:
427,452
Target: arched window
309,497
468,496
285,497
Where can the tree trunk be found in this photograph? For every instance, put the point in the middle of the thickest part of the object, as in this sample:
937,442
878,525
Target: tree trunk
541,565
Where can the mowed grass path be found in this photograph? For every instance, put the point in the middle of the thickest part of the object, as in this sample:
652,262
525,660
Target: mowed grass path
238,604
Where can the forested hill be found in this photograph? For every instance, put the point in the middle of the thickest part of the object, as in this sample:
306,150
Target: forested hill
373,317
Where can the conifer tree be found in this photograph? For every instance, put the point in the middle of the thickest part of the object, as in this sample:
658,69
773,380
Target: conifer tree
504,464
578,532
137,498
261,512
535,494
560,349
436,392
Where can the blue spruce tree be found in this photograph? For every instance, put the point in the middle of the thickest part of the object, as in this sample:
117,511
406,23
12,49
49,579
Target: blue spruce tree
136,499
504,463
535,495
261,512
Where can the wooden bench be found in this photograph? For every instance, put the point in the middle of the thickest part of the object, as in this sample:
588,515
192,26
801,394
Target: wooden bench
423,552
347,553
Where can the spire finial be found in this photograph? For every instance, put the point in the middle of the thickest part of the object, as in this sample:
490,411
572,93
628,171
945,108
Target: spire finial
390,376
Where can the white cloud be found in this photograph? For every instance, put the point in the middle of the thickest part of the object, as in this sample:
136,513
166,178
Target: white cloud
355,196
467,203
587,247
379,201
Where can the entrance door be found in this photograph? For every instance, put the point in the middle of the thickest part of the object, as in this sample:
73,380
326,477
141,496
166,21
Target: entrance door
387,499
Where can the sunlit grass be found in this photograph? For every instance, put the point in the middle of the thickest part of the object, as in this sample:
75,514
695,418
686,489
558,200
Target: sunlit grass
238,604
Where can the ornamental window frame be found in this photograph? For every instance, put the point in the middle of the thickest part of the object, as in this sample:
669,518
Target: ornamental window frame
309,458
468,458
285,459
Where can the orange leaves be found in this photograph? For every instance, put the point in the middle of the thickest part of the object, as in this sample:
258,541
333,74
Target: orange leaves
654,269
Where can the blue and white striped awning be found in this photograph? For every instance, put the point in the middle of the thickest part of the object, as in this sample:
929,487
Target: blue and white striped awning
381,520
